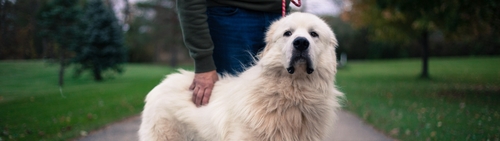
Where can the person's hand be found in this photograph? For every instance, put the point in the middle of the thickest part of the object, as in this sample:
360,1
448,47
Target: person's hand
202,86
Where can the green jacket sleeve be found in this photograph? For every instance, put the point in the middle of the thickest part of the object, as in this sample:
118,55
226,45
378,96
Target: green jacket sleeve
193,21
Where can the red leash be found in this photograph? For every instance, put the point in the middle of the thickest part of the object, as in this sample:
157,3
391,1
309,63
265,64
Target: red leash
283,6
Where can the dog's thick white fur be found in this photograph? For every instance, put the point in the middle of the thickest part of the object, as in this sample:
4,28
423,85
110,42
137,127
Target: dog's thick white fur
287,95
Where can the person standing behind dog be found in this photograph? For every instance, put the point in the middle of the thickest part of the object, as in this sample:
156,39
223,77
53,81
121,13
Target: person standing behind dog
223,36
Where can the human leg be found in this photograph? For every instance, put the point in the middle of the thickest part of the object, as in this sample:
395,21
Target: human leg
238,35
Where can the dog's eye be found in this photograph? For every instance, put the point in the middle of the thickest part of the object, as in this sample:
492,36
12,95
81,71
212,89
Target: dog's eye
313,34
287,34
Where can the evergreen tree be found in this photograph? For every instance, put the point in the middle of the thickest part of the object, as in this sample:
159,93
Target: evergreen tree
104,49
60,23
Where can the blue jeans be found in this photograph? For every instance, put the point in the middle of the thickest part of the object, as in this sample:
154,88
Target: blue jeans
238,35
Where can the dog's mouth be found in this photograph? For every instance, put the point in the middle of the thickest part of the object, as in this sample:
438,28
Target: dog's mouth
300,56
298,60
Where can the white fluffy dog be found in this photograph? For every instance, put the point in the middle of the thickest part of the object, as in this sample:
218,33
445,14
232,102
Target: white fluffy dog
288,95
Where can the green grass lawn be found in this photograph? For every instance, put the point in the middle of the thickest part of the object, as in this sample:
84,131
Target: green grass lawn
461,101
32,107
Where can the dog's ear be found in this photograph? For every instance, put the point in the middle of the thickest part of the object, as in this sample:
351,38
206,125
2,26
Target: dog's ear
266,49
269,38
270,31
333,42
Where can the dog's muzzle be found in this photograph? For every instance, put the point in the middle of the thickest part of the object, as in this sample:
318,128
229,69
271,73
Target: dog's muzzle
300,44
300,53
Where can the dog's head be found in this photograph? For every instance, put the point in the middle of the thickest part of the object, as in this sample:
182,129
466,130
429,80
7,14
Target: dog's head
301,42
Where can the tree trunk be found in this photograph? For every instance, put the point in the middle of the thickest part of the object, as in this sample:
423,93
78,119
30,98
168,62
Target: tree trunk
61,69
173,56
126,12
37,40
3,25
110,5
97,74
425,54
156,55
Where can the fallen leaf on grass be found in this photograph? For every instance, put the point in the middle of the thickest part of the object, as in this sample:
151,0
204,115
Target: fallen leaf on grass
83,133
433,133
394,131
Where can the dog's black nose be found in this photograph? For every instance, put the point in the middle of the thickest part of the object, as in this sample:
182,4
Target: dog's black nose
300,43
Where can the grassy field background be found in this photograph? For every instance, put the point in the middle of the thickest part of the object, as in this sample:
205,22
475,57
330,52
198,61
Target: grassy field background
459,102
32,107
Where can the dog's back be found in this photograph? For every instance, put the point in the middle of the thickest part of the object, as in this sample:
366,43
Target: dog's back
169,113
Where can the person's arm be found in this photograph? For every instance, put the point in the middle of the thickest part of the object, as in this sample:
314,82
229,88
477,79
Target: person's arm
193,20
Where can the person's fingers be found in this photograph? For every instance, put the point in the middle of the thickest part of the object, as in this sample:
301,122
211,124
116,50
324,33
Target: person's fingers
199,97
195,95
206,96
192,86
202,86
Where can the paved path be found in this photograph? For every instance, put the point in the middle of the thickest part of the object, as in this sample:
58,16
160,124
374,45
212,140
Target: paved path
349,128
